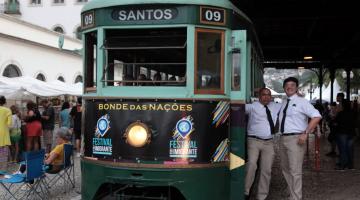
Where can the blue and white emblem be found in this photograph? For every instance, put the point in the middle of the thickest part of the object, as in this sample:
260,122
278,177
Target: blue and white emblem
103,125
184,127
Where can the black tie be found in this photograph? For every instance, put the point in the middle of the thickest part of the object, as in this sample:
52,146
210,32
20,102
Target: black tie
284,116
271,122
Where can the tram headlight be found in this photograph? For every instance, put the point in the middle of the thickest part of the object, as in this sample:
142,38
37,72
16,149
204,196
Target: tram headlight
137,134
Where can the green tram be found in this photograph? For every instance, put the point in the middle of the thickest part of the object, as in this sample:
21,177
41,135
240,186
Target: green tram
165,87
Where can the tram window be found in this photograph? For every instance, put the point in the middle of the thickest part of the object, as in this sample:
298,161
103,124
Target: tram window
90,60
144,53
209,58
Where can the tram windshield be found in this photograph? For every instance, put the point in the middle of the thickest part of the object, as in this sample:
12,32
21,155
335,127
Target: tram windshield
145,57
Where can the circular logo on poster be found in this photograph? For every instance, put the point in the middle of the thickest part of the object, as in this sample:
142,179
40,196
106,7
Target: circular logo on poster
184,127
103,125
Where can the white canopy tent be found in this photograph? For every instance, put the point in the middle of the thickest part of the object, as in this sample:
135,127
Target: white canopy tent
273,92
24,87
325,92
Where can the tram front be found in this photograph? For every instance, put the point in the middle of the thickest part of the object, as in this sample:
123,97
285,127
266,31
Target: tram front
159,80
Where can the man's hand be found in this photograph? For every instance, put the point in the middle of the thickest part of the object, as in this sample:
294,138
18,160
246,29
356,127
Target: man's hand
302,138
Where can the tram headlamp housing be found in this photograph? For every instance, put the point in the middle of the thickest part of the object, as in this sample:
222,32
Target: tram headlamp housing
138,134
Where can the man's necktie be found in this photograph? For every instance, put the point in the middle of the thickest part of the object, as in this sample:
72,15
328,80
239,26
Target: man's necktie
271,122
284,116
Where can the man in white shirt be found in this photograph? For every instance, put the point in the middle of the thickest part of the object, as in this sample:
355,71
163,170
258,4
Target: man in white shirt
295,128
262,117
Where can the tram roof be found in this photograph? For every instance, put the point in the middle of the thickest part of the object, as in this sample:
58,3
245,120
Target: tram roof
94,4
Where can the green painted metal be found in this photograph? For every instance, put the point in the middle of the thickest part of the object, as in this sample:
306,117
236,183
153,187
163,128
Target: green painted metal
240,38
237,175
186,15
163,92
210,183
95,4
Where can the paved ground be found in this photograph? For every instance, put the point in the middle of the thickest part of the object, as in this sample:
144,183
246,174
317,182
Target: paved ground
57,191
325,184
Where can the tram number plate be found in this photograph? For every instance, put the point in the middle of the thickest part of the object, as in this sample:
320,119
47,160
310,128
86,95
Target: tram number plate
209,15
88,20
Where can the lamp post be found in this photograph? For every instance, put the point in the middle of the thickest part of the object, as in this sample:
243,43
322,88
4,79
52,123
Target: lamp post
311,90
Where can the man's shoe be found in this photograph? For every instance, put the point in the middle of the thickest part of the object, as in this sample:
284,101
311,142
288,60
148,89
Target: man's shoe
247,197
339,168
331,154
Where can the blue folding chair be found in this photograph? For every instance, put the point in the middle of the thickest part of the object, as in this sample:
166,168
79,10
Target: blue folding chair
32,180
67,172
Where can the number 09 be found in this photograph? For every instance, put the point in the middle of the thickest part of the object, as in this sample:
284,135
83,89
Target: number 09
88,19
213,15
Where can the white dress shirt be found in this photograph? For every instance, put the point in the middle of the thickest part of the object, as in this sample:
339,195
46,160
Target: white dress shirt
298,112
258,124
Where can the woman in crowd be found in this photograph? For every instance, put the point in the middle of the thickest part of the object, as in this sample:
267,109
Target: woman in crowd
5,123
33,127
15,133
64,115
75,113
55,159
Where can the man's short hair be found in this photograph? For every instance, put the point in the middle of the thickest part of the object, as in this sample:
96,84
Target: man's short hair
291,79
262,89
340,94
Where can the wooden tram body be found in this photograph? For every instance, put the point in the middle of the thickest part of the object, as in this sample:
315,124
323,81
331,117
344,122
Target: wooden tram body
165,87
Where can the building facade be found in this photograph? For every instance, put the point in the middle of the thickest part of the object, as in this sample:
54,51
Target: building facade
62,16
30,50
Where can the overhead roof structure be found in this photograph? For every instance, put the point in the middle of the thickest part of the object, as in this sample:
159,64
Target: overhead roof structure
288,30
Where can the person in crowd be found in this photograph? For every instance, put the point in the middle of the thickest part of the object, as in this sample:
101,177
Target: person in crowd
5,123
172,78
64,115
345,132
332,136
48,124
325,116
340,98
157,77
55,159
128,78
355,108
33,127
262,116
295,128
15,133
75,114
141,78
318,106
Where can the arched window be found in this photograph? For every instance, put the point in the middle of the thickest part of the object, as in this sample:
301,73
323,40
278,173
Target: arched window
12,71
40,77
79,79
59,29
78,33
61,79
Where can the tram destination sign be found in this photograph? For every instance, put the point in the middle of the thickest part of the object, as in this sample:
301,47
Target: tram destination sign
211,15
144,14
88,20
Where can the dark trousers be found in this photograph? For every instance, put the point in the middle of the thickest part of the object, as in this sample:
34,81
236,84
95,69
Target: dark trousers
345,144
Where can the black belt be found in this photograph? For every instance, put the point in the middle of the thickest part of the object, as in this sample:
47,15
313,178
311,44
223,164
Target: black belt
290,134
253,136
